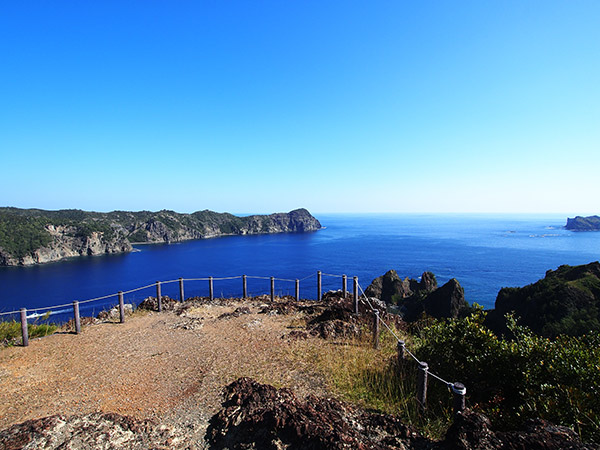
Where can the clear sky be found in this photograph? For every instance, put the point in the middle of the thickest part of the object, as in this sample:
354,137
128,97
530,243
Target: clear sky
336,106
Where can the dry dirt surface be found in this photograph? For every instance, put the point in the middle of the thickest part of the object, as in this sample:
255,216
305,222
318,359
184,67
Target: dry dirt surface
162,366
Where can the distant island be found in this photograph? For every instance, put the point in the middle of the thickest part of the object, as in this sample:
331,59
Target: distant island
590,223
34,236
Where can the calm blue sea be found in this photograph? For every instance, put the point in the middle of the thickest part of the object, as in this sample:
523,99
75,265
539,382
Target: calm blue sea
484,252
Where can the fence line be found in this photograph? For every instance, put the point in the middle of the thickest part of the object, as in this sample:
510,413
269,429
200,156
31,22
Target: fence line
458,389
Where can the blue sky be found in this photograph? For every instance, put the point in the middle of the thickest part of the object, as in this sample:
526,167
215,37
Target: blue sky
264,106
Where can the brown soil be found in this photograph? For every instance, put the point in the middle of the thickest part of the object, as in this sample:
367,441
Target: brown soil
163,366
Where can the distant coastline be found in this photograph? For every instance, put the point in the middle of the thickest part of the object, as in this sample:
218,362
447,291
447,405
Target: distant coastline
579,223
35,236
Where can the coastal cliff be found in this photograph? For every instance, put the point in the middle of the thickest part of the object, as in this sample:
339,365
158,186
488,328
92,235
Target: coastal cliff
34,236
579,223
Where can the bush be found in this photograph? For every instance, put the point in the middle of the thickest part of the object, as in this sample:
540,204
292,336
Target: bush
515,379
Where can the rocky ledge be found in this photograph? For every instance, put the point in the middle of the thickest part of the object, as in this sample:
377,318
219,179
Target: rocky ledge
259,416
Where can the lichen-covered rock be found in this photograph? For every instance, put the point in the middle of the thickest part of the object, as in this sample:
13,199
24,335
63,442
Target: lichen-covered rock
95,431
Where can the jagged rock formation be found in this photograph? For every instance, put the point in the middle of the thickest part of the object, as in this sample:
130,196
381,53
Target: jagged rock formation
92,431
415,297
579,223
35,236
566,301
258,416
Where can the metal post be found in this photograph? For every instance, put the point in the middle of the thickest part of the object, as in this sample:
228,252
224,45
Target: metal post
272,289
319,285
355,292
121,308
181,295
245,283
422,386
297,290
158,296
459,390
24,330
211,290
376,329
76,317
344,286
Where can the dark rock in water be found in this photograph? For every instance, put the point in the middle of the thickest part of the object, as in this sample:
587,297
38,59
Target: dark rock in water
259,416
92,431
413,297
447,301
566,301
590,223
472,431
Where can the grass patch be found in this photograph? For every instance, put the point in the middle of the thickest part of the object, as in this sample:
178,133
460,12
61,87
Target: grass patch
355,372
10,332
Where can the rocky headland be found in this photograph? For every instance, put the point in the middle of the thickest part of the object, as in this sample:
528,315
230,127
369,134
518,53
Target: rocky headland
34,236
579,223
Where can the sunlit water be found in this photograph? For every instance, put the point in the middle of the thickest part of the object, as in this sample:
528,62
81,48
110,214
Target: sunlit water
483,252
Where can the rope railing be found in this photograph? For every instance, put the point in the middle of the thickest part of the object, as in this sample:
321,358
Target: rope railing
458,389
358,293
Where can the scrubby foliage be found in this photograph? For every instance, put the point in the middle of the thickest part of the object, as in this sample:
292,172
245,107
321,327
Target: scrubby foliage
526,376
10,331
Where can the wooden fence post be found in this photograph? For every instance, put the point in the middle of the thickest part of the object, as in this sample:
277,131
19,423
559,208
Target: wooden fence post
245,286
376,329
319,285
344,285
121,308
158,296
24,330
76,317
459,390
297,289
211,291
401,347
181,295
272,289
355,293
422,386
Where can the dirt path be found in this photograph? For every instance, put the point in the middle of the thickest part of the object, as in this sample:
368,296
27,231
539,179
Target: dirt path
163,366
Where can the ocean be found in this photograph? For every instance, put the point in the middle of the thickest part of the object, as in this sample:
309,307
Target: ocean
483,252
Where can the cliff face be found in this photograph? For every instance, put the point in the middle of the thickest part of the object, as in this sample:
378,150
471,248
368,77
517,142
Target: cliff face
590,223
34,236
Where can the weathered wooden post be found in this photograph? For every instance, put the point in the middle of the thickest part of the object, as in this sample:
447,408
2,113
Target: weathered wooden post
422,386
376,329
401,347
344,285
355,292
76,317
319,285
211,290
24,330
245,286
121,308
297,289
181,296
272,289
459,390
158,296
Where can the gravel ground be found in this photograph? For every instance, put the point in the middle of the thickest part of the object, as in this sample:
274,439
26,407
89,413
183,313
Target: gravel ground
164,367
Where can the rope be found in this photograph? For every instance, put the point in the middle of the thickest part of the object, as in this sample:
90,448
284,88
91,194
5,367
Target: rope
307,277
196,279
398,340
258,278
10,312
331,275
139,289
285,279
98,298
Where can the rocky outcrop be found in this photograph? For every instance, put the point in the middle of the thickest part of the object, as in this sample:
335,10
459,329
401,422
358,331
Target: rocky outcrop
565,301
92,431
259,416
35,236
415,297
579,223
